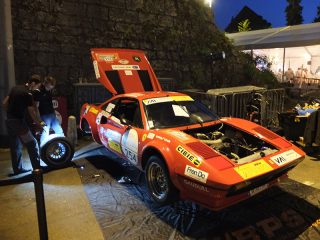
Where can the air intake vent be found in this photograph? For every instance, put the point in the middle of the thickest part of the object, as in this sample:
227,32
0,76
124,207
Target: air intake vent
266,133
202,149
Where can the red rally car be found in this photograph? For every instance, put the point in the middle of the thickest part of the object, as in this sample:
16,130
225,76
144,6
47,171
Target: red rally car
184,149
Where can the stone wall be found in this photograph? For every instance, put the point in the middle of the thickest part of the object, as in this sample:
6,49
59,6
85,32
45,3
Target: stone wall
55,36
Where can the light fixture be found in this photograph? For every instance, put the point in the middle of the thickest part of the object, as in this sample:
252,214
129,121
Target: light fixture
208,2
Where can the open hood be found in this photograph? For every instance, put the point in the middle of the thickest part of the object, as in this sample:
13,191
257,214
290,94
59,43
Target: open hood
124,71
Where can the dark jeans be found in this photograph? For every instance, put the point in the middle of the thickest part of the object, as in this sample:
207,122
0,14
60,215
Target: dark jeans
19,134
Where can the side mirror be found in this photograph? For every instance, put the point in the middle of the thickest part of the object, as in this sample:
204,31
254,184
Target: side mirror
196,118
125,122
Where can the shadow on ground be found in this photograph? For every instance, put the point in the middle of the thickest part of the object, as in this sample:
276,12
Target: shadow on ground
118,196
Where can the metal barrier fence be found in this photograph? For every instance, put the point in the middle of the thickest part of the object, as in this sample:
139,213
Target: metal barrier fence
231,103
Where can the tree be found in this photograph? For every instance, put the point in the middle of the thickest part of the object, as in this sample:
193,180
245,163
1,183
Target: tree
244,26
294,12
256,21
317,18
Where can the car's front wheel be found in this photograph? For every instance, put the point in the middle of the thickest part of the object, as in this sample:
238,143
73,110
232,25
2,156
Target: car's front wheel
158,181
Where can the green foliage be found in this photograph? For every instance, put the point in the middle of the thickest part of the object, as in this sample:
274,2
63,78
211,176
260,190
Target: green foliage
263,77
187,42
244,26
294,12
256,21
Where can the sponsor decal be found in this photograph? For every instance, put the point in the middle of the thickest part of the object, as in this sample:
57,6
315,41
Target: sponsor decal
129,145
115,146
151,135
110,107
144,137
136,58
253,169
96,69
196,174
108,57
286,157
181,98
128,72
156,100
192,158
94,110
166,99
163,139
123,61
196,186
125,67
179,135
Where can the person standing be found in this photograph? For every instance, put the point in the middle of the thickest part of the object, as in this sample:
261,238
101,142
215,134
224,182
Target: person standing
289,74
20,105
43,100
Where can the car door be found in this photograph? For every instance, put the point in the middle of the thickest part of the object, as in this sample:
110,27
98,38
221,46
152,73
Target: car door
123,128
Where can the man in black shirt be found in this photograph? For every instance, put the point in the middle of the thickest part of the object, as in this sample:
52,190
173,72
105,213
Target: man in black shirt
43,100
19,103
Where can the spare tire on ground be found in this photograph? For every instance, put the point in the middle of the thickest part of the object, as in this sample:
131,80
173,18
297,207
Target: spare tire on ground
57,151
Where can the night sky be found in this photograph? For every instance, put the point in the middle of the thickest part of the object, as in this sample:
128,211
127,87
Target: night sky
271,10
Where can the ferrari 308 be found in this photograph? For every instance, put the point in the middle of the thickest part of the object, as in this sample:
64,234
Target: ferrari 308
185,150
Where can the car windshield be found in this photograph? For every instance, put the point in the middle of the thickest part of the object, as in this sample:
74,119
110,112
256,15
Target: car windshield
164,113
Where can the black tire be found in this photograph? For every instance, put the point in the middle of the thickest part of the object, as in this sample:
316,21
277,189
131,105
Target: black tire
57,152
159,183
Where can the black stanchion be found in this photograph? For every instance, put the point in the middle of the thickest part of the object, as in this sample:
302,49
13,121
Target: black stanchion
41,208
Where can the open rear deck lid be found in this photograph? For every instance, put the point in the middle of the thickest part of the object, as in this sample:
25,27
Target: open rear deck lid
124,71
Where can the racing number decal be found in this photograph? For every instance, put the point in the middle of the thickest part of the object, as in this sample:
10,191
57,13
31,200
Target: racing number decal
129,145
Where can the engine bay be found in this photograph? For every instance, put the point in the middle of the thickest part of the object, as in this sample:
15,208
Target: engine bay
237,145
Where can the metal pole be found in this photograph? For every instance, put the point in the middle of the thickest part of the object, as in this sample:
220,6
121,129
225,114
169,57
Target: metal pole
7,75
283,62
41,208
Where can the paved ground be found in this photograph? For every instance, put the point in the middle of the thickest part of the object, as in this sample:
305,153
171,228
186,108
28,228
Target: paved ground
69,214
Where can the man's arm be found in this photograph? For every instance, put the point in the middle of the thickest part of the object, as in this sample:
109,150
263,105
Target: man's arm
36,106
33,114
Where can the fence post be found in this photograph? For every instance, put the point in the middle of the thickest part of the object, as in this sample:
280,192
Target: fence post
41,208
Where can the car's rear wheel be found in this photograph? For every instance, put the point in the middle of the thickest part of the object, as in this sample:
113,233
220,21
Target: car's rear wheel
158,181
57,152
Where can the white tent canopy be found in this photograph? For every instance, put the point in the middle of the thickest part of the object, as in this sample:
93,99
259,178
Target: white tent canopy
283,37
291,46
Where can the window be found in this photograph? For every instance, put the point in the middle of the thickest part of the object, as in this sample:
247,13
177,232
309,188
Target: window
128,111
